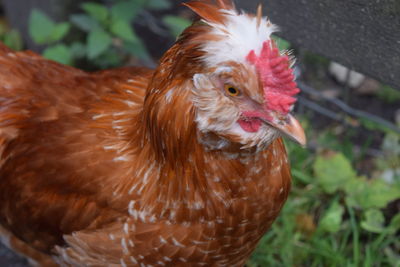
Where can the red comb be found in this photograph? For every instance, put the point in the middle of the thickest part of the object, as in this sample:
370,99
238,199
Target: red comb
276,76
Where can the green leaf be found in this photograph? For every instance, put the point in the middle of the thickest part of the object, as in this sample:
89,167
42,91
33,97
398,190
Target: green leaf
332,219
40,26
138,50
126,10
394,225
176,24
98,41
281,43
375,193
373,221
388,94
84,22
333,171
356,192
13,40
380,194
97,11
110,58
59,31
3,28
300,175
159,4
371,125
59,53
123,30
78,50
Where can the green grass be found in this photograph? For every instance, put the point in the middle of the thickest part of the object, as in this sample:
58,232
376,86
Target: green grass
333,216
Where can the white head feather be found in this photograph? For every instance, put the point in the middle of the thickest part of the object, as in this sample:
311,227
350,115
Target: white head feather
240,34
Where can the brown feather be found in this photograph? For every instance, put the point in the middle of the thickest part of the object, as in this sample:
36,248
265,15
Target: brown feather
106,168
207,11
259,14
226,4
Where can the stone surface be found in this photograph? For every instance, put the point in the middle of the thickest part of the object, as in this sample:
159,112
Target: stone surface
346,76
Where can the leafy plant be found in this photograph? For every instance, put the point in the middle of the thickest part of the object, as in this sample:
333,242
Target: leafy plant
333,217
326,168
10,37
388,94
44,30
109,36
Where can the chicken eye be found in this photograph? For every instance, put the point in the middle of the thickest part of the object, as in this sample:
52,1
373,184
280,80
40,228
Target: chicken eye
231,90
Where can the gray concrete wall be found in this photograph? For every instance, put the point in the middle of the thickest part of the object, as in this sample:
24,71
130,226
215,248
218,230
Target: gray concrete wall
361,34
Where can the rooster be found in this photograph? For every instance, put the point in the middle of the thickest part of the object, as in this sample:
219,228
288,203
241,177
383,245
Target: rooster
183,165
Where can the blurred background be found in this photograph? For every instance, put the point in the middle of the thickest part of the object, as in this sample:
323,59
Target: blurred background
344,208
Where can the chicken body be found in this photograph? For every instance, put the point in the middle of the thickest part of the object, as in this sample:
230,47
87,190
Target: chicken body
67,165
110,168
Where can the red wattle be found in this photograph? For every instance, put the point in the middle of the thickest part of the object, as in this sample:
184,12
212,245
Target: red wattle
250,125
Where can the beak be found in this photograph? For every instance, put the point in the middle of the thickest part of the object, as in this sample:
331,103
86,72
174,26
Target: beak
292,129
